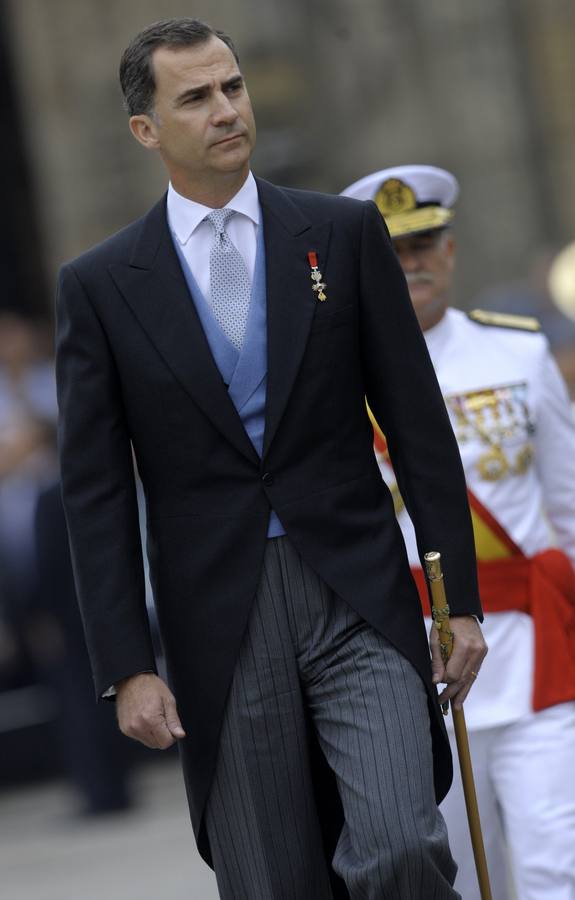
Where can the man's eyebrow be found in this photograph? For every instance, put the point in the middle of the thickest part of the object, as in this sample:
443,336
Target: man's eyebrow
192,93
201,90
235,79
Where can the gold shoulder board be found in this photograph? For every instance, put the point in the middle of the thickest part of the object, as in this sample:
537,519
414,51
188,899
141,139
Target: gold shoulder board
504,320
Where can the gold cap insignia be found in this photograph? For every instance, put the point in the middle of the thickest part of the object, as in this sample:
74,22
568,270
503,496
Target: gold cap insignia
394,196
397,203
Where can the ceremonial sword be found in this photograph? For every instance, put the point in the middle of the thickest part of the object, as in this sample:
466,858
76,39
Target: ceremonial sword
440,613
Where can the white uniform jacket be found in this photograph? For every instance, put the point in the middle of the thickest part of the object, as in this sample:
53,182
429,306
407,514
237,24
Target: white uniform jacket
513,421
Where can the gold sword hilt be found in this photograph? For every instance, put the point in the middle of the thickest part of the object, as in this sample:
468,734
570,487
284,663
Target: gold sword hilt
439,609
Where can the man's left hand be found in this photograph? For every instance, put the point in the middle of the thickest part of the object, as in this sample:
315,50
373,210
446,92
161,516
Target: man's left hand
469,650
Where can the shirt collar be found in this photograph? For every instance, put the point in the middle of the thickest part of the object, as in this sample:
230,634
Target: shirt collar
185,215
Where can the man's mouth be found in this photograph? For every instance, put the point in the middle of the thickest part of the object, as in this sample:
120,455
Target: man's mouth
229,138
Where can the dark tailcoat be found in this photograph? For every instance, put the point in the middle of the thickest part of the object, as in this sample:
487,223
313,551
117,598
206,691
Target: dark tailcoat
135,371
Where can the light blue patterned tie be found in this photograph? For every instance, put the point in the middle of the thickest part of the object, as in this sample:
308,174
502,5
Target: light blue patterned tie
229,281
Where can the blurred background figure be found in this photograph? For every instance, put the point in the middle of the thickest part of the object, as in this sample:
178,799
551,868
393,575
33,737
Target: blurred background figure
95,754
561,289
27,462
27,459
511,414
561,280
41,622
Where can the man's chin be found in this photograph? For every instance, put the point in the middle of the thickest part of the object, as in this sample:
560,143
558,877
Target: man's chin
237,143
420,294
232,153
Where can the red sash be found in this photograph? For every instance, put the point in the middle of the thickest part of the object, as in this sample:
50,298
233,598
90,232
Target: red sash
542,586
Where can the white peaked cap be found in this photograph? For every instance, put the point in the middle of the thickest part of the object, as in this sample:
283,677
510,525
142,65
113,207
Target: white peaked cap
410,198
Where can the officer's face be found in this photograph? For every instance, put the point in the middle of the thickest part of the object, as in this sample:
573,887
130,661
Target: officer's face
427,260
202,122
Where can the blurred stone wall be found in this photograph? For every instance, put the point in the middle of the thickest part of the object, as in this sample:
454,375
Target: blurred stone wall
340,88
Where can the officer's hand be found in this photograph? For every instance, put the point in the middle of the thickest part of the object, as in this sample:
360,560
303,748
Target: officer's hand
469,650
147,711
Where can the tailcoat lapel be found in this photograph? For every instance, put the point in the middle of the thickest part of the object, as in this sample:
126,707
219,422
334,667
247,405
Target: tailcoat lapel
291,303
155,288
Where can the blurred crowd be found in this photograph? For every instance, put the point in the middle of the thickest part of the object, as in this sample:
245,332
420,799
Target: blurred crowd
46,691
27,465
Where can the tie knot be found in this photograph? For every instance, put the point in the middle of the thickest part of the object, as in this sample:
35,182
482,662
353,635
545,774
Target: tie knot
219,218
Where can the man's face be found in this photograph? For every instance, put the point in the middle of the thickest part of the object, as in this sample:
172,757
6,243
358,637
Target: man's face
202,122
427,260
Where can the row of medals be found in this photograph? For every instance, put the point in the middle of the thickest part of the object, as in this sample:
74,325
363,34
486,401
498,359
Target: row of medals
499,418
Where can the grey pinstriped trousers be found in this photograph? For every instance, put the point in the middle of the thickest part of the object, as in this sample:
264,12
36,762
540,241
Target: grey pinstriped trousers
305,648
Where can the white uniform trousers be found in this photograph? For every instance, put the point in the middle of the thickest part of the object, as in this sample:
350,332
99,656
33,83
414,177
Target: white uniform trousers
525,780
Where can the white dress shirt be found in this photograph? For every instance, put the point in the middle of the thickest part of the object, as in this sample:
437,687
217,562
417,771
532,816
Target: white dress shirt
195,236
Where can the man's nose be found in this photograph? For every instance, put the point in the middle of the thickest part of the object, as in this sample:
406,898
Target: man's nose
409,260
223,113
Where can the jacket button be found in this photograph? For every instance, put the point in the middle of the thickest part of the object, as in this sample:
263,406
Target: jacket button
268,478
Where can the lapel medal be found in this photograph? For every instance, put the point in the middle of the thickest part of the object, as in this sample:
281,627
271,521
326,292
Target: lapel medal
316,277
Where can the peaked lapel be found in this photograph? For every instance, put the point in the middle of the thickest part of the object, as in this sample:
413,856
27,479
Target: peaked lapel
291,303
155,288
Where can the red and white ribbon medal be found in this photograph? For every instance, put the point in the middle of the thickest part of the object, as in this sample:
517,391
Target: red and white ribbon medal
318,284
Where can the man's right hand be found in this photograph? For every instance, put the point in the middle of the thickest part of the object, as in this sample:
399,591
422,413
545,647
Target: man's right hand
146,710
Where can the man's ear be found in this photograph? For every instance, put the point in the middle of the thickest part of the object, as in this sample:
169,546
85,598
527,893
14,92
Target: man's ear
144,128
450,247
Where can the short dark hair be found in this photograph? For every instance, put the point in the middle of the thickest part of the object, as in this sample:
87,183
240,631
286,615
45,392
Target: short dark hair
136,68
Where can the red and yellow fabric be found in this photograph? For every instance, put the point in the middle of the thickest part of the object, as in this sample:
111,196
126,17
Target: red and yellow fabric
542,586
379,440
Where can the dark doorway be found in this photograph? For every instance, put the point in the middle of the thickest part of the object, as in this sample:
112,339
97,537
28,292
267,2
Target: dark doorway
22,278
